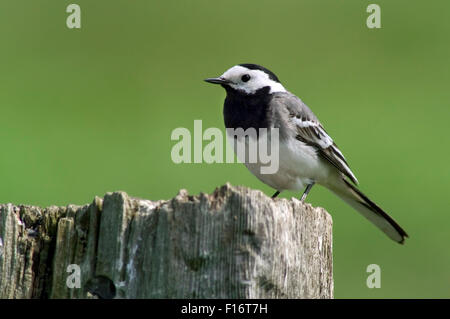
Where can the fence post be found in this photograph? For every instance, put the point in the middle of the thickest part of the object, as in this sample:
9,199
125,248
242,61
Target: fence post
233,243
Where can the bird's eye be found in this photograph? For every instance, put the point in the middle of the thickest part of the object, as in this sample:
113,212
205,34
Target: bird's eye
245,78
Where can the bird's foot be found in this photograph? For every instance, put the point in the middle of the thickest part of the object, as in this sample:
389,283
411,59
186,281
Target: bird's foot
306,192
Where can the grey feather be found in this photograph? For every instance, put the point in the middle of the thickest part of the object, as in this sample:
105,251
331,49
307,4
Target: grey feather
295,119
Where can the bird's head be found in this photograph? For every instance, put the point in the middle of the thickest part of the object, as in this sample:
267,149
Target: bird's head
248,79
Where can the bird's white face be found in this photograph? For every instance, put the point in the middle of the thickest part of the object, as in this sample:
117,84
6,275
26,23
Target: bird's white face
249,81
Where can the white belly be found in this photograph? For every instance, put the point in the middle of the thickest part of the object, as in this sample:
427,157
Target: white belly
299,165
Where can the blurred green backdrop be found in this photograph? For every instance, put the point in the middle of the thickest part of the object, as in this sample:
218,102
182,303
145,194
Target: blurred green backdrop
88,111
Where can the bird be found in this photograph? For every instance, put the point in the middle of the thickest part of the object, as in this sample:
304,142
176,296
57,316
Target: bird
255,98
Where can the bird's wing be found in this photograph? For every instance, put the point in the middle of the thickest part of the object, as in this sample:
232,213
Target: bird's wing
309,131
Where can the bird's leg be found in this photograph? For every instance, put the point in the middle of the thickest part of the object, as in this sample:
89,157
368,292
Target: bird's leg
308,188
276,194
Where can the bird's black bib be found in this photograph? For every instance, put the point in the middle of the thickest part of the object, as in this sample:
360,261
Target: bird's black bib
247,110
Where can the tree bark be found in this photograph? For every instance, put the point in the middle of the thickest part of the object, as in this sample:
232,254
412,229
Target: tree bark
233,243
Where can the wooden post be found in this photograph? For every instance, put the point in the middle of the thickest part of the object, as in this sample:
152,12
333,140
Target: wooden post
234,243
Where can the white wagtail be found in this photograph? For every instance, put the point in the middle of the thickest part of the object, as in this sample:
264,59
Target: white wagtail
307,154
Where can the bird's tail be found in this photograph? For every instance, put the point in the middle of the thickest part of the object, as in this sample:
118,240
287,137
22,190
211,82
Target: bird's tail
355,198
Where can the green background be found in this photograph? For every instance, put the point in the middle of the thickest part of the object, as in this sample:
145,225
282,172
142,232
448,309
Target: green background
88,111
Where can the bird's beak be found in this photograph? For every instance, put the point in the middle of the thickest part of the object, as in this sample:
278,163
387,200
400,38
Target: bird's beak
219,80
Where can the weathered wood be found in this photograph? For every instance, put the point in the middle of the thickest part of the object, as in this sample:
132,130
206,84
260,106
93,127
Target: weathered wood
234,243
